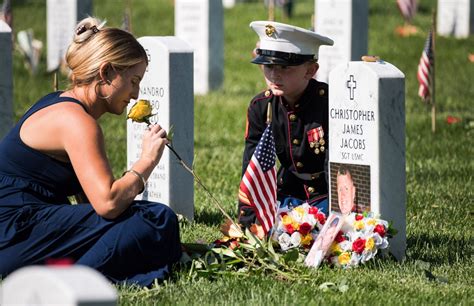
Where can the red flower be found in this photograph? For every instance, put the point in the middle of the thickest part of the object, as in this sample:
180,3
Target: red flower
289,229
234,245
359,217
340,237
305,228
283,214
380,229
358,245
321,218
313,210
452,119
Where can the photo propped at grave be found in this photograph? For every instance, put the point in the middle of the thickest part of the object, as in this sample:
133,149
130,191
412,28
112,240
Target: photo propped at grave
350,188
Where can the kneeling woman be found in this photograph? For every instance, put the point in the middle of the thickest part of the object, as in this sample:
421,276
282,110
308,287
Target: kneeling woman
57,150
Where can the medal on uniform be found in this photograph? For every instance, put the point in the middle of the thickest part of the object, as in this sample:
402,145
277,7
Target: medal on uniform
322,149
313,138
316,150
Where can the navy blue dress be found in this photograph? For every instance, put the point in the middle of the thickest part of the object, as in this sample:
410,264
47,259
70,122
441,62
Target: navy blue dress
38,223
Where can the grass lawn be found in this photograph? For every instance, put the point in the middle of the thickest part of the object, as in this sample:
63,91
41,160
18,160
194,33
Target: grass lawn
439,166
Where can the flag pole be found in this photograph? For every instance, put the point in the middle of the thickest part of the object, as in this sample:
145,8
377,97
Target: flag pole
433,76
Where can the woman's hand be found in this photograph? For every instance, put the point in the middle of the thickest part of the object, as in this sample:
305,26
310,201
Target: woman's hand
153,144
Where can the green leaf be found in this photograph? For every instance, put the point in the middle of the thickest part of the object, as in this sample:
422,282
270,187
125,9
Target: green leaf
223,251
291,255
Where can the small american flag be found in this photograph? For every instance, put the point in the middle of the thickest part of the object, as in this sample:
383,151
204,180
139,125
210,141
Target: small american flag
425,69
407,8
258,185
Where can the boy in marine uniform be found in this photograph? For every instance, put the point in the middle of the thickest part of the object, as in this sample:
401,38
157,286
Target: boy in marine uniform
299,108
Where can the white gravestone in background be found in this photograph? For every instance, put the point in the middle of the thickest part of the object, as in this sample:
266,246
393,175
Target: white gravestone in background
455,17
345,22
168,85
6,81
200,23
62,17
57,285
367,120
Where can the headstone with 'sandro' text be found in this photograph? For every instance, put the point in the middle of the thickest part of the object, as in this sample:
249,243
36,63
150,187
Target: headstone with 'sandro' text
200,23
6,81
168,85
346,23
455,17
367,136
62,17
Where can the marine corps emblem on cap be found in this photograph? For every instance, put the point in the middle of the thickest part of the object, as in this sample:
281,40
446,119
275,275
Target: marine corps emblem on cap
269,30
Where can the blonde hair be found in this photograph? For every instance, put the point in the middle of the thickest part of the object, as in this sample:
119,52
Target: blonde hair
94,44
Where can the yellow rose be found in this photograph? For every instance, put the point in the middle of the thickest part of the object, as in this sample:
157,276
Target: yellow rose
371,221
140,111
335,248
344,258
299,210
370,244
358,225
306,239
287,220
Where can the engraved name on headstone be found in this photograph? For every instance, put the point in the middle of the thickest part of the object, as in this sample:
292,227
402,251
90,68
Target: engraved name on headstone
168,85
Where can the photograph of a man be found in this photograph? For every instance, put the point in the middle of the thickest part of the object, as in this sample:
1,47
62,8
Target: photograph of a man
346,191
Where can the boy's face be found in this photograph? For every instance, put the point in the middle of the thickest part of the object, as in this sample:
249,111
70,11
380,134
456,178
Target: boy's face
289,81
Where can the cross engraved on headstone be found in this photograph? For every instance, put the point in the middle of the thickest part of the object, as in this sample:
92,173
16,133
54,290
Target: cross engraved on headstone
351,84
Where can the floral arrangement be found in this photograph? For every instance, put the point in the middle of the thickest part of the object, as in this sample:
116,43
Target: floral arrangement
298,227
360,239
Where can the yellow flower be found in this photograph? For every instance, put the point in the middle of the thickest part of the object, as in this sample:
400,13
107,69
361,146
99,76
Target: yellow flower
358,225
300,210
287,220
295,225
371,221
370,244
140,111
344,258
335,248
306,239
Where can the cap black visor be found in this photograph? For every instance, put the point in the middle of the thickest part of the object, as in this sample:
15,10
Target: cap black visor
269,57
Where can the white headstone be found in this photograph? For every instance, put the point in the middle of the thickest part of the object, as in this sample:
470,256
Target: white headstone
6,81
228,3
367,135
345,22
50,285
455,17
62,16
168,85
200,23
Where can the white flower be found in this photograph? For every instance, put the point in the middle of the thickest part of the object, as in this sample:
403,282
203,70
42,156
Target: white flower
295,239
285,241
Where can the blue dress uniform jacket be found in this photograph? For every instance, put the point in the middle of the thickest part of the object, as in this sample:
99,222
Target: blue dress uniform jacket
303,172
